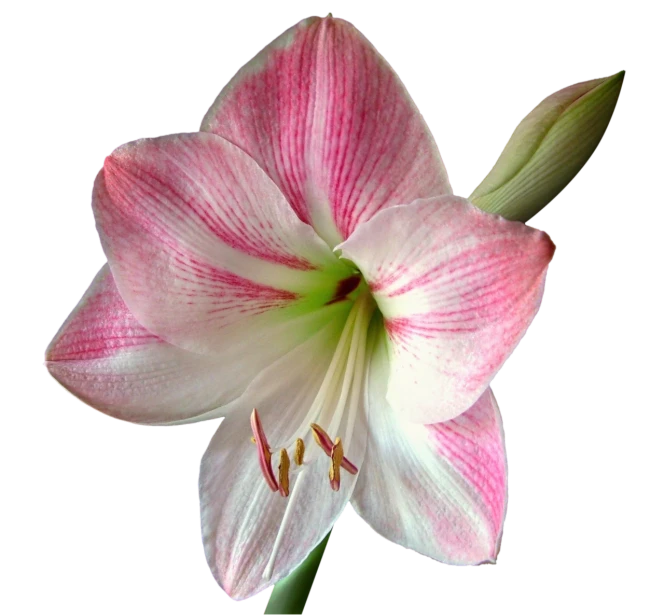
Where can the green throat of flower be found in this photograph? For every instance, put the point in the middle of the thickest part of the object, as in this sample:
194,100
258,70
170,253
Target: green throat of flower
339,392
339,395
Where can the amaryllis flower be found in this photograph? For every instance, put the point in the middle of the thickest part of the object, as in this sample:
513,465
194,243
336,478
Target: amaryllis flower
301,267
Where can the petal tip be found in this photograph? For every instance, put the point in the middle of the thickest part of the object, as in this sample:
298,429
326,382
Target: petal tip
551,245
49,352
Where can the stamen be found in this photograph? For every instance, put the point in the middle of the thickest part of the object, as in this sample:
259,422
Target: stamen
354,369
325,442
359,378
341,387
338,359
349,466
284,466
322,439
299,451
335,464
263,448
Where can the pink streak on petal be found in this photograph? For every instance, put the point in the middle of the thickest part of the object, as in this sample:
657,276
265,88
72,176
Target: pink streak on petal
229,289
206,184
102,327
200,239
454,532
439,489
472,444
330,122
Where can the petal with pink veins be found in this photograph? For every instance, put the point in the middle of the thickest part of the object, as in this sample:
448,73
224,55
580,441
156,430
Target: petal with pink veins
457,288
244,523
104,356
327,118
446,483
202,244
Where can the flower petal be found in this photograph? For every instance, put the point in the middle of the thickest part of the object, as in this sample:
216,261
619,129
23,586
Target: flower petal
457,288
330,122
241,516
104,356
202,244
446,483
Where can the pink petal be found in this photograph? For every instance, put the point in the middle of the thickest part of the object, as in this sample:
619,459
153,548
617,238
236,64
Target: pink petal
240,514
439,489
330,122
200,241
457,288
104,356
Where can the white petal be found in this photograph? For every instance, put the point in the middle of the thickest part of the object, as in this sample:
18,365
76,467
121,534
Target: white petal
240,515
458,288
104,356
438,489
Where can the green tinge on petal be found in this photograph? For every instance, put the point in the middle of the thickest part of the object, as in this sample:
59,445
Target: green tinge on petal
548,148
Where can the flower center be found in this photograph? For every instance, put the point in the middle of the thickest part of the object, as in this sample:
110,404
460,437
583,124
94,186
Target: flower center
345,287
339,392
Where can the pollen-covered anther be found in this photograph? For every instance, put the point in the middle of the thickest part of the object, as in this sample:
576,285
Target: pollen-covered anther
325,442
284,467
299,452
335,464
264,453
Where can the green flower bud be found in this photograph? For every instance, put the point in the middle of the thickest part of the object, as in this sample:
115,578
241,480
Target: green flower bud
548,148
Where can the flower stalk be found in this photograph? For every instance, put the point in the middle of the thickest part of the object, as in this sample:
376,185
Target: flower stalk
290,594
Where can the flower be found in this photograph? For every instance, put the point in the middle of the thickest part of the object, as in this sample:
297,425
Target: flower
548,148
303,255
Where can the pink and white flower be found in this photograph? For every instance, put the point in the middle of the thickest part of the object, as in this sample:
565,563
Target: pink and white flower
304,255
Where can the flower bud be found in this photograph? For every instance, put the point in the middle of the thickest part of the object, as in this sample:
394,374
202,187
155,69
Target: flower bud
548,148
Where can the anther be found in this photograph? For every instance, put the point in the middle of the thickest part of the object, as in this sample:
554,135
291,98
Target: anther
322,439
284,466
264,453
299,451
325,442
335,464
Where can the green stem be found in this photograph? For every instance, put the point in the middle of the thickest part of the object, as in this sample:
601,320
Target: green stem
290,594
